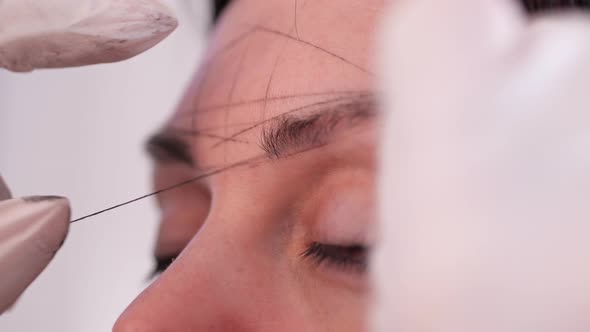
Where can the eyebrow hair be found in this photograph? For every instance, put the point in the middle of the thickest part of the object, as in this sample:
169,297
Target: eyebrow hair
284,136
166,147
291,134
534,6
218,8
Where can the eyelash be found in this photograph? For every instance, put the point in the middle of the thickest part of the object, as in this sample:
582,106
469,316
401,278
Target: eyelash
351,258
161,265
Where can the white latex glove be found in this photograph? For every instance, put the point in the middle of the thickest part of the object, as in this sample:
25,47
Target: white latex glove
55,34
485,170
31,231
66,33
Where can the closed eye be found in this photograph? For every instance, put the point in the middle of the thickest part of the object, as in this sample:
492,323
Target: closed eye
346,257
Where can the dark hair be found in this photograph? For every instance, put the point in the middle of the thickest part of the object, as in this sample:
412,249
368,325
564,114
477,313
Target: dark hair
532,6
218,7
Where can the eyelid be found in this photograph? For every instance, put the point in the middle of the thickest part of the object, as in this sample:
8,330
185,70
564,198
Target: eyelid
337,219
346,214
339,208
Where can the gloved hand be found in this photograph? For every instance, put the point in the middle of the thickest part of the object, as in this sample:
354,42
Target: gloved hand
66,33
31,231
485,170
54,34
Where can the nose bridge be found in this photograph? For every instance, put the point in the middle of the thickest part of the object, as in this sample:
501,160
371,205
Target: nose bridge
207,288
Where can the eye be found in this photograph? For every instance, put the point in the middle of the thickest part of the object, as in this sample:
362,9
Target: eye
349,258
161,264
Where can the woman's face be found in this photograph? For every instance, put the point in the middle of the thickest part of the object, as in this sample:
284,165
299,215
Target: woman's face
277,136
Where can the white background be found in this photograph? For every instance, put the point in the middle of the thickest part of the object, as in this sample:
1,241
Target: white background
79,133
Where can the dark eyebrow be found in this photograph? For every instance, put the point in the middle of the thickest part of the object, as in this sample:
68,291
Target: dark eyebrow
291,134
166,147
534,6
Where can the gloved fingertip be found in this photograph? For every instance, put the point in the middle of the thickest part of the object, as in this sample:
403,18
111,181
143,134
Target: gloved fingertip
41,222
54,224
31,231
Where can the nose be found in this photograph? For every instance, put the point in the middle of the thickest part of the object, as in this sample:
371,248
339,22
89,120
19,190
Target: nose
189,296
215,285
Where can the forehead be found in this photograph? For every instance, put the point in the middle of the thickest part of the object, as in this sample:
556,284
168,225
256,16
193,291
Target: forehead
268,58
277,46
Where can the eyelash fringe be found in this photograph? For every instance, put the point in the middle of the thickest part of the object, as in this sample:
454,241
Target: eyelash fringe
349,258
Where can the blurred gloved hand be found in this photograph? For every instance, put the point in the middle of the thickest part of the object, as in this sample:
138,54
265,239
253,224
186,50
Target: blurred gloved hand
55,34
67,33
485,170
31,231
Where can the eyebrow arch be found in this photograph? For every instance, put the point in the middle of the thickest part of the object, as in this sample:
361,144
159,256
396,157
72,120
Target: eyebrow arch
291,134
165,147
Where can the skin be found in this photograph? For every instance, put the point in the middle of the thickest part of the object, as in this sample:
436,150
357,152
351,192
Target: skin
241,232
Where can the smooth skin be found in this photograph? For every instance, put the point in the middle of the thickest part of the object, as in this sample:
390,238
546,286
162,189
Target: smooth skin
281,117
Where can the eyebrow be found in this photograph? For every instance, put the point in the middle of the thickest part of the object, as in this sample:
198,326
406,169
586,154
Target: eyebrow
165,147
283,136
291,134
